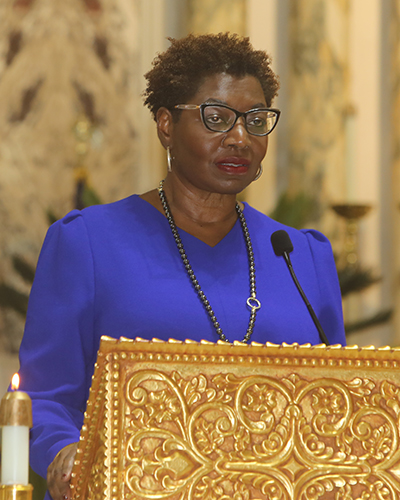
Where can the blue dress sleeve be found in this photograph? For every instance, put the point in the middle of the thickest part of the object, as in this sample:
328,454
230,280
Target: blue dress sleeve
57,351
330,313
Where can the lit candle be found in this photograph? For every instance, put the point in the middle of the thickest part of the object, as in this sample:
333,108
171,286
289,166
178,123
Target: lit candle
16,419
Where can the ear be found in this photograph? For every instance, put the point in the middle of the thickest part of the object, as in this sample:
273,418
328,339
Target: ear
165,127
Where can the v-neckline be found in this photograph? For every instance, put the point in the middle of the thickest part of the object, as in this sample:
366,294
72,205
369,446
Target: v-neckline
220,242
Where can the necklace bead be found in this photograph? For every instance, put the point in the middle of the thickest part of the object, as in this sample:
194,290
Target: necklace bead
252,302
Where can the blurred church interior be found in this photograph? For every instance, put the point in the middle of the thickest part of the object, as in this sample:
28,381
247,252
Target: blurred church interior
73,131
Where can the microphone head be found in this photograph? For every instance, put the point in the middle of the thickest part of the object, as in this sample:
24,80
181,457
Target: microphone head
281,242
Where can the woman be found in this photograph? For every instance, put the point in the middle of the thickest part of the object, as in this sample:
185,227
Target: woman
125,269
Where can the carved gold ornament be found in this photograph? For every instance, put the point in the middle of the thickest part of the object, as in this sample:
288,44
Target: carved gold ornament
189,421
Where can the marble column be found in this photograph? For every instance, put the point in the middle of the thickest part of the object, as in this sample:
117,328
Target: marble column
318,99
395,153
61,61
214,16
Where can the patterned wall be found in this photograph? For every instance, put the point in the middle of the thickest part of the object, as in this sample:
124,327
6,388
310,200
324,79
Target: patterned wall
61,61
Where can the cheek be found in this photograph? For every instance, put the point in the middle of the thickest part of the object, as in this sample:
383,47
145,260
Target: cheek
202,146
265,141
262,147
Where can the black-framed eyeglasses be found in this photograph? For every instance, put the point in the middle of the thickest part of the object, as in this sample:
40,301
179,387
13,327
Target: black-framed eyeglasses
222,118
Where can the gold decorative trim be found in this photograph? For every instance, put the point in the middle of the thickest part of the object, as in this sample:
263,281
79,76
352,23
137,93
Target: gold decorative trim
185,420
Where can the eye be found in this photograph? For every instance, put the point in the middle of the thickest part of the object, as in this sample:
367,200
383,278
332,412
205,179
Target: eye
257,121
215,118
218,118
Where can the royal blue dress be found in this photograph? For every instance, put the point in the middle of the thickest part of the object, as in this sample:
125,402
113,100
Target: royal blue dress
115,270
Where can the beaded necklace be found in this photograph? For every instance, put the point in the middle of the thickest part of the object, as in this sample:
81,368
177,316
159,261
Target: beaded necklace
252,302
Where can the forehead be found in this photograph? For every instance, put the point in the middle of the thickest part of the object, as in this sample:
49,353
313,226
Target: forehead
239,92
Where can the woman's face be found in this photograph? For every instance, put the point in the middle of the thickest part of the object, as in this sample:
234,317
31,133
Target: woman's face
218,162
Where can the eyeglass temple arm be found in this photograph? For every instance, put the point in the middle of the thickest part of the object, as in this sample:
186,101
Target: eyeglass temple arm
187,106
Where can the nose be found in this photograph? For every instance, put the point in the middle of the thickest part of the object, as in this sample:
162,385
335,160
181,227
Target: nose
238,135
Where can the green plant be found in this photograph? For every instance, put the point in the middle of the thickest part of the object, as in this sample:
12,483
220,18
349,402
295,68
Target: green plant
295,211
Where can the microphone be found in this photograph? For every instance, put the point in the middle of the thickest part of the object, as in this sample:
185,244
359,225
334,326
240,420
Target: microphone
282,245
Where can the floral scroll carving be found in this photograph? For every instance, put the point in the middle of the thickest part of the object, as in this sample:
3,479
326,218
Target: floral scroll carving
256,437
220,434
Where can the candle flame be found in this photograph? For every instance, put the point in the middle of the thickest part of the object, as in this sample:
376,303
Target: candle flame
15,382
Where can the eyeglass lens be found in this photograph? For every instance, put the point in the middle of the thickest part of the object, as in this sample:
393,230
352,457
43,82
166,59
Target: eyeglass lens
221,119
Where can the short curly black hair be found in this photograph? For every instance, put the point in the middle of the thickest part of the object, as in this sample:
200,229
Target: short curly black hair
178,72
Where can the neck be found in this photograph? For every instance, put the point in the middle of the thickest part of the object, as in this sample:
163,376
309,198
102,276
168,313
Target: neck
208,217
199,207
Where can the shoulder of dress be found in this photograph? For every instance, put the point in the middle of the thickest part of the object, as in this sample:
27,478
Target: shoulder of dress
313,236
98,212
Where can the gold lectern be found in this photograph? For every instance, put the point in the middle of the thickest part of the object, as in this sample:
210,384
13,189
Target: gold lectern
190,421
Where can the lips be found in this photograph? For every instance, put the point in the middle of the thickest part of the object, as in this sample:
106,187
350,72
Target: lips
233,164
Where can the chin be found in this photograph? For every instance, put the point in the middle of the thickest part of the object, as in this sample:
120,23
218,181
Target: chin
234,187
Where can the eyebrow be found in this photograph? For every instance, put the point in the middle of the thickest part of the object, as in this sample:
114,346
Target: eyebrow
211,100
